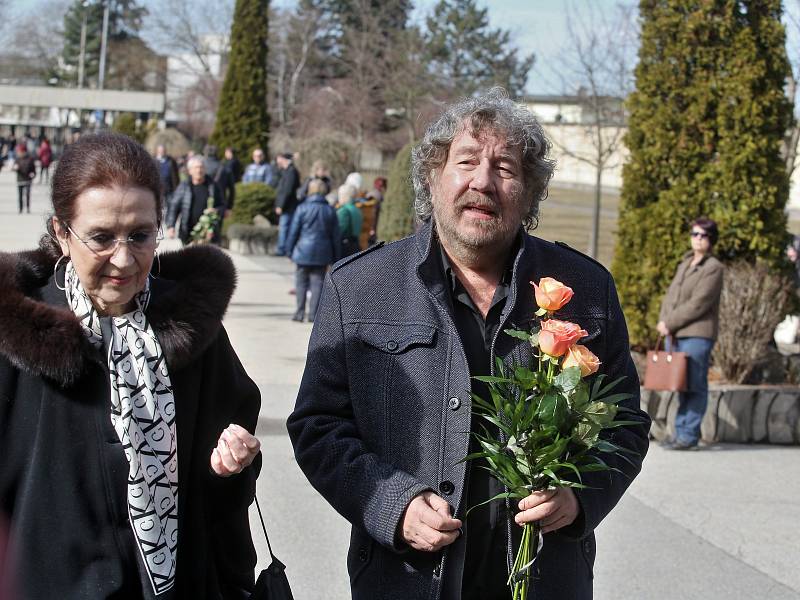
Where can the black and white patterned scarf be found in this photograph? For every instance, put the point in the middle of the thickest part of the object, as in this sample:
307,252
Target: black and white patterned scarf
143,415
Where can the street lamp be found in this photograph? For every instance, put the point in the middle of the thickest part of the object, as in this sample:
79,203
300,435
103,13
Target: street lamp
82,57
103,46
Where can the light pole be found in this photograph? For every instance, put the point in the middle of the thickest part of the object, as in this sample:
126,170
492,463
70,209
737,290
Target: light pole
103,46
82,57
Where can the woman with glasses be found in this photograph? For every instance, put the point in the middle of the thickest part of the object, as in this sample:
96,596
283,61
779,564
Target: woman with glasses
127,456
689,318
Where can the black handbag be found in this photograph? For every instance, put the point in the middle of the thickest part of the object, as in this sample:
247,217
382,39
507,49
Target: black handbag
272,583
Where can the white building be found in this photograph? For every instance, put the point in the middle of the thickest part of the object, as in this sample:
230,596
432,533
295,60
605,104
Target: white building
565,122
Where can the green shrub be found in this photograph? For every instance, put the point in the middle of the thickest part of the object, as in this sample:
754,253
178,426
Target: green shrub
704,134
397,217
252,199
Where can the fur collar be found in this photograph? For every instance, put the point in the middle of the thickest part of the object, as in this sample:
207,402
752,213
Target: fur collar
41,336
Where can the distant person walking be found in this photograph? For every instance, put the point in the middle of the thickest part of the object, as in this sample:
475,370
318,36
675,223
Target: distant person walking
689,318
286,199
191,199
350,220
319,170
167,173
25,166
233,164
45,153
260,170
313,243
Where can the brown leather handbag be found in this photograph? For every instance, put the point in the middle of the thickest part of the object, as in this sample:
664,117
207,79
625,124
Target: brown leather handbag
665,371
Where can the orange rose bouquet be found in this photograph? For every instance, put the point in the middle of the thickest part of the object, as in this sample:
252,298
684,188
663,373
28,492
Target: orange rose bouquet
546,418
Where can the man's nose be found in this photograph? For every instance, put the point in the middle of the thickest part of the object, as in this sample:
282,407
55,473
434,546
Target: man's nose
482,180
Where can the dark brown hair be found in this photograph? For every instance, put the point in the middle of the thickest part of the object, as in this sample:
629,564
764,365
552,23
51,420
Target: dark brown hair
99,160
709,226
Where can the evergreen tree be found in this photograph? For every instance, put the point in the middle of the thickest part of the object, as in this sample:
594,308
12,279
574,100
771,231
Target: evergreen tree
397,210
124,22
242,117
705,129
471,55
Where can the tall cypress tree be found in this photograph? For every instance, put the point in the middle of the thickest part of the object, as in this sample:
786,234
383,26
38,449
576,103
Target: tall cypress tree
705,128
242,117
397,211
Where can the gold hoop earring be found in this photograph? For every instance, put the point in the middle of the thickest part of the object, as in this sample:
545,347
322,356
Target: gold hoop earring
55,273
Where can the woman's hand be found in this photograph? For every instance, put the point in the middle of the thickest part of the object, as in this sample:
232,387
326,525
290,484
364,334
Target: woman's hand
662,328
235,450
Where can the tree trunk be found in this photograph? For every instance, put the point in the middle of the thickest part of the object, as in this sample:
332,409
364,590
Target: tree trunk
595,232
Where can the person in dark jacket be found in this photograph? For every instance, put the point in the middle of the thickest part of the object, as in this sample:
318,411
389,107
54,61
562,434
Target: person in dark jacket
286,199
25,166
192,197
319,170
689,318
226,180
233,164
126,419
383,415
313,243
167,172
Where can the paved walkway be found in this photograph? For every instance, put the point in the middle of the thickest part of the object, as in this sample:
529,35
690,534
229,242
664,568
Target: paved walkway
717,524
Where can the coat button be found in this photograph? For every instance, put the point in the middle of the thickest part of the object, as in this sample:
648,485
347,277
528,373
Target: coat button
362,554
587,546
447,487
391,345
437,570
454,403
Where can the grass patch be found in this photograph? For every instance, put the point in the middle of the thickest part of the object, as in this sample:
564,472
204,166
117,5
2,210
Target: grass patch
566,216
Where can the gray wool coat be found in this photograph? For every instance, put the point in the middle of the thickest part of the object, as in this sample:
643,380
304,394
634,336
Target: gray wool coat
383,412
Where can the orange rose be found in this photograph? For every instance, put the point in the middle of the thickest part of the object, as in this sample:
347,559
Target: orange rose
551,294
556,336
582,357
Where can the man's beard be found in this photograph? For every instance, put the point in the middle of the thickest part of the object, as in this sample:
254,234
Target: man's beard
496,232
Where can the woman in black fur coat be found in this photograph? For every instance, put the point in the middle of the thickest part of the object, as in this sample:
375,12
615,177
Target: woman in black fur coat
127,460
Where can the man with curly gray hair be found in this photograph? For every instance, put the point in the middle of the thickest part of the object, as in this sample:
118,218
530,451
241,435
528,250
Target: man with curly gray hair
383,416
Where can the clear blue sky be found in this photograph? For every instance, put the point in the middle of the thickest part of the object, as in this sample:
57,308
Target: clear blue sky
537,26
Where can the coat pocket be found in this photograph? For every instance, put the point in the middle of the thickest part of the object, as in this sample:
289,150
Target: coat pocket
396,338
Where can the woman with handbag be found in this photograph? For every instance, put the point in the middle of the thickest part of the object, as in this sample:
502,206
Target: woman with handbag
126,419
690,318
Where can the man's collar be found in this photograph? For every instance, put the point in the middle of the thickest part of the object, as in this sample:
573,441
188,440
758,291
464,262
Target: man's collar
453,281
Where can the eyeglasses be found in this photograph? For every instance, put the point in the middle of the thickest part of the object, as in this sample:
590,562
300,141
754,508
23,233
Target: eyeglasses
104,244
699,234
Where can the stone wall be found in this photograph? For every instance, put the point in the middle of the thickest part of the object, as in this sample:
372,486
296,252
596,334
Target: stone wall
735,413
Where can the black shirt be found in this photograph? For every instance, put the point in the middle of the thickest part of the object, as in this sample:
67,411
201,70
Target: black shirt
485,564
199,204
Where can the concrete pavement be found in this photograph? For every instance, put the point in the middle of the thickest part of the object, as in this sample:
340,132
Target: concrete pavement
721,523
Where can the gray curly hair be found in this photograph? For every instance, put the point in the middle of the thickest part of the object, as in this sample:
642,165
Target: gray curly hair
493,111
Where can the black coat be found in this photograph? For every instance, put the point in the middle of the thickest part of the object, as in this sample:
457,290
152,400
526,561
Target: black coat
383,411
63,471
180,205
314,239
286,194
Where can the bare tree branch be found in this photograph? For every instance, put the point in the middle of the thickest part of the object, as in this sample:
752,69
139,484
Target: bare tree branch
181,28
596,66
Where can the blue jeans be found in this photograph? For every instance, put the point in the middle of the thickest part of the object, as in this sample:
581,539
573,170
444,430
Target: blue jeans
284,224
694,400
